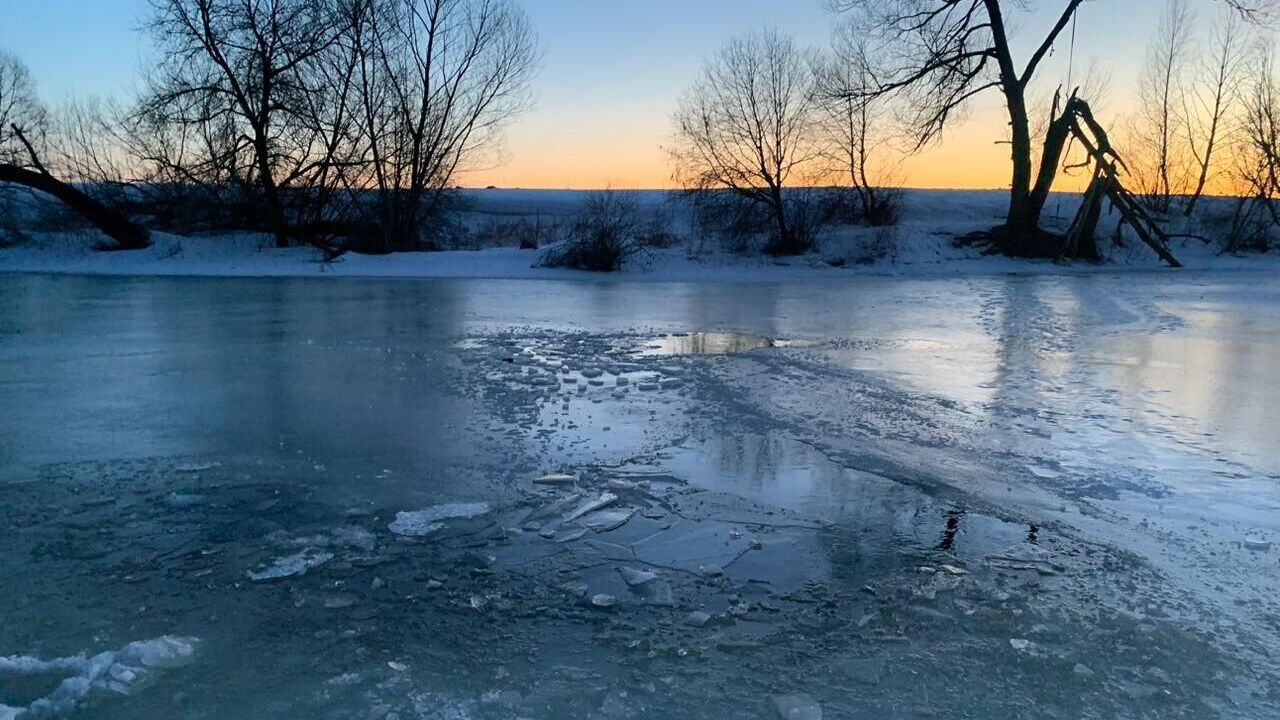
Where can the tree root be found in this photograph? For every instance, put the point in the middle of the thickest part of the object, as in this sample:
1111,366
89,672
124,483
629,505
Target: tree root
1000,240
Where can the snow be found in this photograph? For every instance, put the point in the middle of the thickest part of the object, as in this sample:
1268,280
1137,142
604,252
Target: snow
920,245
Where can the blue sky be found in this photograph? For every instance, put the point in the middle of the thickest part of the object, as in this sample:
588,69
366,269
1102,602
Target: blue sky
611,73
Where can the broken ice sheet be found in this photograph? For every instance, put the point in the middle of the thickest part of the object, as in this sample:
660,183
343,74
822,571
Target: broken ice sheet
690,546
296,564
120,671
420,523
552,509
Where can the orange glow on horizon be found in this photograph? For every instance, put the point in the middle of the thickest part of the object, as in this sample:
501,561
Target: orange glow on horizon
958,164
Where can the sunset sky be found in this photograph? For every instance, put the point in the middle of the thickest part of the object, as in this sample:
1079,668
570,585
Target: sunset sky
611,74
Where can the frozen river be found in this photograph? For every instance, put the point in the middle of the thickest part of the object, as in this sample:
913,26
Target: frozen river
1048,497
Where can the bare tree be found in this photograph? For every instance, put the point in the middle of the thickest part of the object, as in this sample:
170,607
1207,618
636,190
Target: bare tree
746,126
438,82
20,108
1257,158
1258,12
855,126
1157,155
1211,97
240,72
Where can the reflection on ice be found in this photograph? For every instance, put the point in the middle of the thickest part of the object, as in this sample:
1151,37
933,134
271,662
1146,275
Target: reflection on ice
706,343
889,519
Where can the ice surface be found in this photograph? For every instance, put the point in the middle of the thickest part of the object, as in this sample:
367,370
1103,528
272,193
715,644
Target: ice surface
1077,462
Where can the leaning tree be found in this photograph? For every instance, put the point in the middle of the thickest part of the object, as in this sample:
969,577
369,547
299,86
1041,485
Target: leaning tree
943,53
23,121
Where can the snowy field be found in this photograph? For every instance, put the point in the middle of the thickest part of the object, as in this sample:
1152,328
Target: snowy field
986,496
920,245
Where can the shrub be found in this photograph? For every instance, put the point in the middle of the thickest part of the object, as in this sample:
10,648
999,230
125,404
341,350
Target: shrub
875,207
883,208
736,222
1252,226
657,233
602,237
524,233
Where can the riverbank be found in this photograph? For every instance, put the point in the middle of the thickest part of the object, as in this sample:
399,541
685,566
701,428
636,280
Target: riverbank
921,245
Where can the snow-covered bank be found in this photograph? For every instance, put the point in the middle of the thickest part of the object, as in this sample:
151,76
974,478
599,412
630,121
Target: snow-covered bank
920,245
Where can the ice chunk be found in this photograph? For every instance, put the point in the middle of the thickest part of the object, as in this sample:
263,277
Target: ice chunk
606,520
1257,544
197,467
633,577
571,535
419,523
296,564
184,500
698,618
591,505
555,479
797,707
164,652
552,509
356,537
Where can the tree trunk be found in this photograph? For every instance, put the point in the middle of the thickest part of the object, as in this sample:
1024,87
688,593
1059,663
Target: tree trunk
1023,218
270,191
1055,144
786,244
124,231
1203,179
